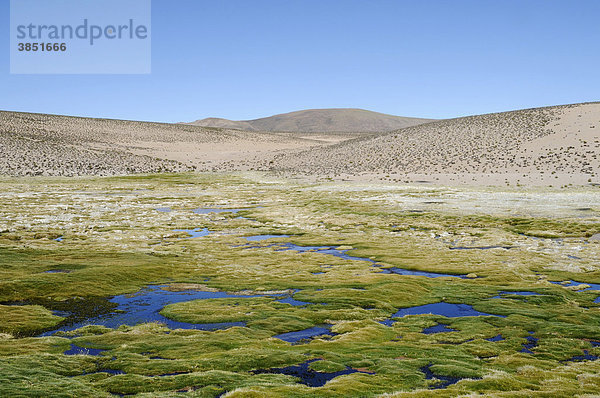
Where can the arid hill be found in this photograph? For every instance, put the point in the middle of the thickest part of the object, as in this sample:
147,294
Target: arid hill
553,145
319,120
544,146
38,144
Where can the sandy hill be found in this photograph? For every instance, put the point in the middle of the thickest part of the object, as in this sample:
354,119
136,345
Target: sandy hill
552,145
39,144
319,120
545,146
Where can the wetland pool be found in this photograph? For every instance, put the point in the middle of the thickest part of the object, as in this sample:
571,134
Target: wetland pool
571,283
194,233
308,376
208,210
444,309
145,306
306,334
343,254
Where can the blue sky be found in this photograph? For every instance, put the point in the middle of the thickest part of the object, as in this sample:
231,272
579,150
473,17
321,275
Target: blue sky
243,59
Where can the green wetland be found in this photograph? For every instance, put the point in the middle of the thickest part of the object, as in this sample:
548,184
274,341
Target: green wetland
246,285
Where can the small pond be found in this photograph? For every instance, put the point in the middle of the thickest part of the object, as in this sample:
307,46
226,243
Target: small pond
570,283
77,350
439,328
145,305
194,233
294,337
292,301
308,376
208,210
531,343
443,381
444,309
402,271
258,238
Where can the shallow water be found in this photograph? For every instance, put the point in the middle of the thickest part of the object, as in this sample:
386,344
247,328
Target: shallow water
585,357
343,254
194,233
496,338
444,381
388,322
439,328
144,306
257,238
113,372
294,337
308,376
531,343
569,283
481,247
164,209
59,239
518,293
444,309
292,301
401,271
322,250
207,210
77,350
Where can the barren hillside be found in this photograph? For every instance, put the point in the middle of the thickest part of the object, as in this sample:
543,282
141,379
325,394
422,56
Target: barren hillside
544,145
319,120
38,144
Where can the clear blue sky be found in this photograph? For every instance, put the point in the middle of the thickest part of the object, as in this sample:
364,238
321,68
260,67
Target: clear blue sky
243,59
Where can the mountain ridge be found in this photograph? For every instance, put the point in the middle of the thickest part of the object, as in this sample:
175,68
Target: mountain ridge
319,120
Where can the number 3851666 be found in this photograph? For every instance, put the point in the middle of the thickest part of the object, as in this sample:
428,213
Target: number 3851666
42,47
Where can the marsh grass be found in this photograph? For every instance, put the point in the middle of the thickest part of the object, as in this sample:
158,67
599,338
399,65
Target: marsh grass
115,242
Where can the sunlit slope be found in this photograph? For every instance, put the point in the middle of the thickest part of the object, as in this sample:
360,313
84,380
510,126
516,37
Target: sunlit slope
539,143
319,120
38,144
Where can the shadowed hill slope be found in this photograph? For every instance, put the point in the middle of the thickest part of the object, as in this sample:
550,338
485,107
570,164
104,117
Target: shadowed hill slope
319,120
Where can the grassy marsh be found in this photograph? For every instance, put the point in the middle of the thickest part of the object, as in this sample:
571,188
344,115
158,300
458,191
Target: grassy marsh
116,240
